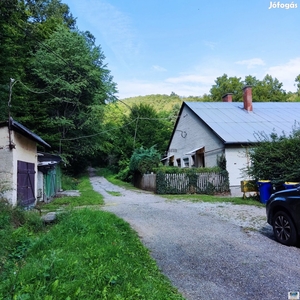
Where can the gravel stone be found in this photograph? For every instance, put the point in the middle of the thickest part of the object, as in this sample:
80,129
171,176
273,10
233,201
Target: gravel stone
208,251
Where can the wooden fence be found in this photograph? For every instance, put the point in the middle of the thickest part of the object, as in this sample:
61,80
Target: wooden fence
182,183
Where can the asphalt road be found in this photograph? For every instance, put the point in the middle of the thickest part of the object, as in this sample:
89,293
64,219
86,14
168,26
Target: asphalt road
208,254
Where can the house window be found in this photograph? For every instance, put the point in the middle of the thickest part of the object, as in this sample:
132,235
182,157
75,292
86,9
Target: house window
178,160
186,162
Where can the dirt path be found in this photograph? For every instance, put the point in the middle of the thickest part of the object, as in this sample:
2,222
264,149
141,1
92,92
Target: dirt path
208,251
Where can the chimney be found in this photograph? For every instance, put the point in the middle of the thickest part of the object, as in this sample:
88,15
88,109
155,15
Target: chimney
247,97
227,97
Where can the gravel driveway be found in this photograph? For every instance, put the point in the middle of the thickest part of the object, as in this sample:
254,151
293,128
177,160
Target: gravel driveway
208,251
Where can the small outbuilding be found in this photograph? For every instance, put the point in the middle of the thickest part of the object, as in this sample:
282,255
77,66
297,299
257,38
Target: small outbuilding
19,163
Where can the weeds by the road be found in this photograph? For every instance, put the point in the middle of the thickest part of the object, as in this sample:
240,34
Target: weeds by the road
86,254
214,199
87,197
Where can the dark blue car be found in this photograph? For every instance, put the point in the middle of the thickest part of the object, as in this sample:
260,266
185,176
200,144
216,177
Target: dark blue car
283,214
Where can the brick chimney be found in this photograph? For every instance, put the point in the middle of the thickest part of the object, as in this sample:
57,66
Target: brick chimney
247,97
227,97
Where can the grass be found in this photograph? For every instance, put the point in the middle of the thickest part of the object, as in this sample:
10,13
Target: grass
86,254
87,197
214,199
113,193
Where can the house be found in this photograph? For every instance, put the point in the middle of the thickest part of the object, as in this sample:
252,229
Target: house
206,130
19,163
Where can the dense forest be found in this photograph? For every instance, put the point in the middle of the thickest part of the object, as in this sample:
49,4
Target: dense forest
54,80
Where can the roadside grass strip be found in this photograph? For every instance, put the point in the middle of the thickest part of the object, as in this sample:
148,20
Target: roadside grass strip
88,254
87,197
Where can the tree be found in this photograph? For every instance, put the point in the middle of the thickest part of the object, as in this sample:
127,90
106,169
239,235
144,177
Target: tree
45,11
297,80
143,127
13,51
224,85
269,89
71,68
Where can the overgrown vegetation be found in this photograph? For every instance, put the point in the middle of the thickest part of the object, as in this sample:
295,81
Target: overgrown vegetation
86,254
87,196
276,158
251,200
144,160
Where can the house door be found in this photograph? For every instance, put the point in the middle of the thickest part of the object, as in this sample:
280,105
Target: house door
25,183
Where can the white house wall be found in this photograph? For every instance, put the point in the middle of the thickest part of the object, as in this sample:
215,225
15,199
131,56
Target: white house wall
191,133
237,160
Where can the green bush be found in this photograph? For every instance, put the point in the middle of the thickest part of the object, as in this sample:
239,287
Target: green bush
144,160
276,158
177,170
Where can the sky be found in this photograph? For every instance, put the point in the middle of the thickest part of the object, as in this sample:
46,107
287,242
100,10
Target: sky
182,46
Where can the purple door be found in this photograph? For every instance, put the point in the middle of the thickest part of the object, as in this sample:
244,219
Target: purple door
25,181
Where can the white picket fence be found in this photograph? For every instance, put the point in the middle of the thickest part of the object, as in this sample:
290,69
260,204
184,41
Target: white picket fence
180,183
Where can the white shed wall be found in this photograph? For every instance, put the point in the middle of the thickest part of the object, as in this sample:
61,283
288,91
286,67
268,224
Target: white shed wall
6,165
25,150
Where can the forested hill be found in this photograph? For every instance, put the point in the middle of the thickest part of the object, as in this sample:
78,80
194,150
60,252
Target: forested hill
159,102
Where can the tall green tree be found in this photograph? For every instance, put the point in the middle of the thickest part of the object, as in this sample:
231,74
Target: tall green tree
143,127
71,68
297,80
25,24
45,11
224,85
266,90
13,57
269,90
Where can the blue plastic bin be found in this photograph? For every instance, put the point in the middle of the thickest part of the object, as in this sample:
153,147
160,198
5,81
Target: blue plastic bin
290,185
265,190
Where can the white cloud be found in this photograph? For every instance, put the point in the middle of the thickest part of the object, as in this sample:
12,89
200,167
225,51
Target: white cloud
159,68
251,63
286,73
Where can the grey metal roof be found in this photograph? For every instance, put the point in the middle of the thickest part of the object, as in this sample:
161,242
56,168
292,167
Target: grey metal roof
233,124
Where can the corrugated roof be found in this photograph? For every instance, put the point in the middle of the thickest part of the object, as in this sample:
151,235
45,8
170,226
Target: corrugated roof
233,124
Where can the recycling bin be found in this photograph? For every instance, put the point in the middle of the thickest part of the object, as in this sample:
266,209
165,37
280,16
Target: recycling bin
265,190
290,185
